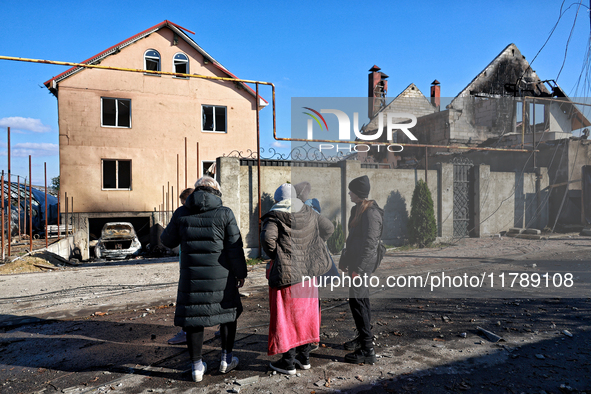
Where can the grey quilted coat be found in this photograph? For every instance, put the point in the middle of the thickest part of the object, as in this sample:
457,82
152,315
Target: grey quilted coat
295,243
211,260
363,240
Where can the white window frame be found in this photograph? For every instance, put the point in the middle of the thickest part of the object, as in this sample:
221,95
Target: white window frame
214,109
152,57
116,112
174,64
116,174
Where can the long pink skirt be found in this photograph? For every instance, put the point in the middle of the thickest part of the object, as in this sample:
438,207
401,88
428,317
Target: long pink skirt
295,317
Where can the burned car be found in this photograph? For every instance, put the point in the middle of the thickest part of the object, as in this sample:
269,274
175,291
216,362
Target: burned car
118,241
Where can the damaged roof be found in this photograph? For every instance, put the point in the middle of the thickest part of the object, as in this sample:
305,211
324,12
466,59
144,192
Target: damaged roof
508,68
51,84
510,72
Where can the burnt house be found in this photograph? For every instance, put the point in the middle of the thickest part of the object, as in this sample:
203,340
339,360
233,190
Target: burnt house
505,105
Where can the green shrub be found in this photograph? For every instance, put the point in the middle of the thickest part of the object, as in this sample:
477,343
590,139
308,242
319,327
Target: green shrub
422,227
337,239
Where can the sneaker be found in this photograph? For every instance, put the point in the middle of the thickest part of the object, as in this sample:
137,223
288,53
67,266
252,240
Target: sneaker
302,361
362,356
353,344
178,339
283,366
225,367
198,375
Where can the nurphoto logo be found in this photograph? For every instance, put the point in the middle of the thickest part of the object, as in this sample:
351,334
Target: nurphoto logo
393,122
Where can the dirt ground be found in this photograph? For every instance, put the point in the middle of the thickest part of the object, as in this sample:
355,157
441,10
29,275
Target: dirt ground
426,344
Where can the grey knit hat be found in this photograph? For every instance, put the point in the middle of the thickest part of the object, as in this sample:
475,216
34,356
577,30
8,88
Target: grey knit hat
284,192
303,190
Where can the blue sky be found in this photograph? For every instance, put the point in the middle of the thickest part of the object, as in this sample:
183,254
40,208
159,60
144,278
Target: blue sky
307,49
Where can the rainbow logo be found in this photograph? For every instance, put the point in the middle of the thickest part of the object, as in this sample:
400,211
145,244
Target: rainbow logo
315,118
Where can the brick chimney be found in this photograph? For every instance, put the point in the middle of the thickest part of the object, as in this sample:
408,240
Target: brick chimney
377,90
435,93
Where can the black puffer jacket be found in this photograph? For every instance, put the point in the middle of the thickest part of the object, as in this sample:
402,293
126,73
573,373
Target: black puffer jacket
295,242
363,240
211,260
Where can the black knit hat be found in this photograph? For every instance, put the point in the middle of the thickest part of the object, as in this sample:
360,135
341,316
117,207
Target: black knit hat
360,186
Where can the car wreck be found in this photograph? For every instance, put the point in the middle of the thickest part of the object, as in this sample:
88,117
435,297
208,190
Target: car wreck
118,241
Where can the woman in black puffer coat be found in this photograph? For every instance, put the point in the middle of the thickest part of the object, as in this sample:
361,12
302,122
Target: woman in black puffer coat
212,268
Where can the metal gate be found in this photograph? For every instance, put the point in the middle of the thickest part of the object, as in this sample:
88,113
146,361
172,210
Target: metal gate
463,202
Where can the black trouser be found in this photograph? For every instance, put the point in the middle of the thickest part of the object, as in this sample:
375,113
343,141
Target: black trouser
290,355
361,311
195,339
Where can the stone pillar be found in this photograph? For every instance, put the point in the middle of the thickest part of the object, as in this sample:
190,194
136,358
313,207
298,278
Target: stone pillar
228,176
542,197
481,176
445,199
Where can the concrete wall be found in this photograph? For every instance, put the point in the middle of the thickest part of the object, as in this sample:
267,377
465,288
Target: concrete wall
502,199
71,245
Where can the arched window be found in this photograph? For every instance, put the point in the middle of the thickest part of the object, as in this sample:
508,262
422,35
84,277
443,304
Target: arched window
152,60
181,64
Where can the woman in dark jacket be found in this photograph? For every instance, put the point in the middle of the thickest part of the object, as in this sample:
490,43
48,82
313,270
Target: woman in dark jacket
213,267
293,237
365,230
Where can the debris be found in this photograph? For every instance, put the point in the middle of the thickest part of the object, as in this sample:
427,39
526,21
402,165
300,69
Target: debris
463,335
247,381
540,357
359,377
439,339
320,383
514,232
567,333
445,318
234,390
490,335
532,231
565,388
71,390
49,267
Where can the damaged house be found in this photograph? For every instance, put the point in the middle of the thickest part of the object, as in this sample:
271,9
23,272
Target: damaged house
488,111
505,106
129,142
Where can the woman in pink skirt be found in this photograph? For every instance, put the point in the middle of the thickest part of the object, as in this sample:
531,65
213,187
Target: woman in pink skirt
293,236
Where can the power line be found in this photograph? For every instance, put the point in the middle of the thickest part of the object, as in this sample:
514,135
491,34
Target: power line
568,41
